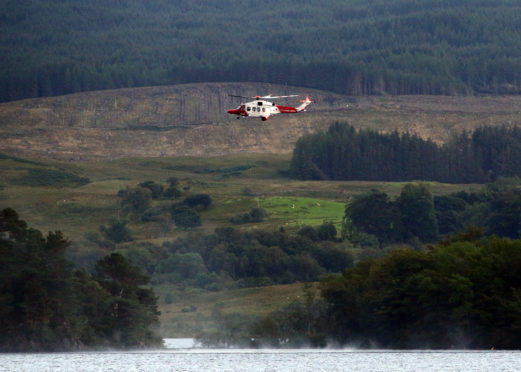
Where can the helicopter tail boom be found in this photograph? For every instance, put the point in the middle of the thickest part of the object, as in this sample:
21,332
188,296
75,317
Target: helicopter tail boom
305,103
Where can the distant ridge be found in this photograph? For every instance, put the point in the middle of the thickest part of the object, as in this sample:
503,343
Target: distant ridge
191,120
56,47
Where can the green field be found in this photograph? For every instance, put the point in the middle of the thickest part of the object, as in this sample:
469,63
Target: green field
236,184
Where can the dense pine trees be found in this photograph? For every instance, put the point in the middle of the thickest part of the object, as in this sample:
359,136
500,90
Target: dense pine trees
343,153
52,47
47,305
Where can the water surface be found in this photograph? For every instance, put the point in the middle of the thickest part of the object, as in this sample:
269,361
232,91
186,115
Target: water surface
197,359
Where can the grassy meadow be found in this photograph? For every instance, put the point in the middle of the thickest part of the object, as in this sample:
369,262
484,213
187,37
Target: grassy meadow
85,195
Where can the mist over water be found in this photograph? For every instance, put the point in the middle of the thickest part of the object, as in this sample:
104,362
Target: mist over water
183,356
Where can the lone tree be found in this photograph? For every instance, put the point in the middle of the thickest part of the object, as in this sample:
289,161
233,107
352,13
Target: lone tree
117,231
135,199
373,213
155,188
185,217
133,307
418,218
198,202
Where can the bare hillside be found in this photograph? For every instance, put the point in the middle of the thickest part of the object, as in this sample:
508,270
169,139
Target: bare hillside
191,120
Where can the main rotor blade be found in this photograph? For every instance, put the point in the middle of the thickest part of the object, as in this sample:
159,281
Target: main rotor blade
269,96
233,95
275,97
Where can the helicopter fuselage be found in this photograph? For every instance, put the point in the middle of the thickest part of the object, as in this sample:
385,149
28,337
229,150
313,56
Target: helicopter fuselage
264,109
258,108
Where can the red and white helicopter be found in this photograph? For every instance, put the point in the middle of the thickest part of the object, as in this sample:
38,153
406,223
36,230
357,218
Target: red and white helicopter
264,109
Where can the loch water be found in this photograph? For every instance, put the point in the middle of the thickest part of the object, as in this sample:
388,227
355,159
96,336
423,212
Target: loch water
183,356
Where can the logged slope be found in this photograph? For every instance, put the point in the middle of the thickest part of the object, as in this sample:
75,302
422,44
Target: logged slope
191,120
54,47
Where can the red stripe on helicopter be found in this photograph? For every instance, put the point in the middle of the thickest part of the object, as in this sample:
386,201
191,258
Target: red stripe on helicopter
286,109
241,111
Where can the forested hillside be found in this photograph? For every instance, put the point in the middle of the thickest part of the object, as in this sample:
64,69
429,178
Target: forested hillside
53,47
342,153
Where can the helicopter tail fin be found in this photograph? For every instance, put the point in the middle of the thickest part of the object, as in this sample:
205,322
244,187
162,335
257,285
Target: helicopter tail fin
305,103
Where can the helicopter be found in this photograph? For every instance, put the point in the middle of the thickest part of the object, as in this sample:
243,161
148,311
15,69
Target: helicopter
260,108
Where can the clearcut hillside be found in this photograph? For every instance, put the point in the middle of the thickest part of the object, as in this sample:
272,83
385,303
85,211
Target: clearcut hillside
191,120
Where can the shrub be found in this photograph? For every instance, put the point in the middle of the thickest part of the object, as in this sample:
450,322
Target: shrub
185,217
117,231
198,202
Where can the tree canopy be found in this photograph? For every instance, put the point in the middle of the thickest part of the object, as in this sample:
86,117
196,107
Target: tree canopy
344,153
48,305
417,214
53,47
464,294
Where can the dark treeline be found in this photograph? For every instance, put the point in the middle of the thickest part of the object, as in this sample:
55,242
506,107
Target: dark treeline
343,153
417,214
462,293
411,216
229,258
48,305
52,47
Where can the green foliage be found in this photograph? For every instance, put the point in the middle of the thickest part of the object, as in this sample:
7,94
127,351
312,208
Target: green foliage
412,215
250,259
146,256
46,305
133,307
416,207
309,232
135,199
496,209
407,47
183,265
416,214
373,213
505,213
462,294
117,231
331,257
301,323
154,214
327,231
50,177
185,217
155,188
254,215
172,192
198,202
342,153
449,213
